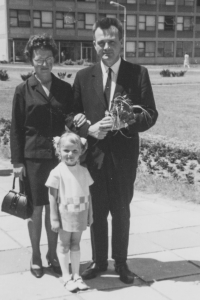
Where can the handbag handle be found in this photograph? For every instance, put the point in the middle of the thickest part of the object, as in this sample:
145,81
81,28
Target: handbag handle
21,185
13,187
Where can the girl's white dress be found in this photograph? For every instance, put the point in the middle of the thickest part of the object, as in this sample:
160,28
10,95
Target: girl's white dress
74,200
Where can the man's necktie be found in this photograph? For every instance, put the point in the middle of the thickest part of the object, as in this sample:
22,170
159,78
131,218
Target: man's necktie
108,88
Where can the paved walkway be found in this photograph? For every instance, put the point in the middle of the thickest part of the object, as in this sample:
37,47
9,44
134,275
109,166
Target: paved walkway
164,253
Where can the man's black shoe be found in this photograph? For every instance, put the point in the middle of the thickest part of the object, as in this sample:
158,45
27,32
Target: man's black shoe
93,270
125,274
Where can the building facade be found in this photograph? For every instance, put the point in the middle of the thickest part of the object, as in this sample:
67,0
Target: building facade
157,31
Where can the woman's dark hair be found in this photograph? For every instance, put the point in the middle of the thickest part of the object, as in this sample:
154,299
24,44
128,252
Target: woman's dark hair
106,23
40,41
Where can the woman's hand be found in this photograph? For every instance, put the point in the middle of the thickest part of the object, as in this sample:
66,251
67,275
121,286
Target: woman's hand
19,170
79,120
55,225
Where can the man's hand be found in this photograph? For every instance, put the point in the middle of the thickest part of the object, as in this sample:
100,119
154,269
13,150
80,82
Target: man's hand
100,129
19,170
79,120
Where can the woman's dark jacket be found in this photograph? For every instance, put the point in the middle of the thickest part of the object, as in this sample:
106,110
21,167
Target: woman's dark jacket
37,118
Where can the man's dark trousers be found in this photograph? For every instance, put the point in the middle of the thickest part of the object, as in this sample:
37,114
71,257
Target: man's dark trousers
112,192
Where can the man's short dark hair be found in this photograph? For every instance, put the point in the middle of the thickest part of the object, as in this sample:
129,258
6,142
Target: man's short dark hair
106,23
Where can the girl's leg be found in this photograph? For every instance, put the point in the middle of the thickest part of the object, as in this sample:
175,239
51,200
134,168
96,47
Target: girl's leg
52,238
63,253
75,253
35,227
75,260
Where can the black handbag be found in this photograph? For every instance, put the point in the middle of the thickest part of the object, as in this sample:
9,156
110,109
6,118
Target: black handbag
16,203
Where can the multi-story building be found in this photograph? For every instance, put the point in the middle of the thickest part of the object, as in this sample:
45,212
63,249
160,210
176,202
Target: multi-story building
157,31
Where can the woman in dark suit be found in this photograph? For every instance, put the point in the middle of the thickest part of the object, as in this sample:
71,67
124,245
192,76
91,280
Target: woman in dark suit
40,106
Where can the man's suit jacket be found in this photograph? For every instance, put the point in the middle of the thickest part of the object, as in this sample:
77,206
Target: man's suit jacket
133,81
36,118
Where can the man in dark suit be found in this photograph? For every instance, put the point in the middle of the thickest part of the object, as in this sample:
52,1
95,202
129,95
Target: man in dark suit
113,154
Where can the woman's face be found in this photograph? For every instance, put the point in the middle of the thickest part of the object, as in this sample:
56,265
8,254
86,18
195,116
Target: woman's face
42,62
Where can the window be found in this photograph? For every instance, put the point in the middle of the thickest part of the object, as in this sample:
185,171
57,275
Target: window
131,22
65,20
130,49
132,1
166,23
197,27
161,22
146,49
182,48
147,23
198,2
170,2
189,2
43,19
149,2
111,16
165,49
86,21
197,49
184,24
141,49
20,18
101,16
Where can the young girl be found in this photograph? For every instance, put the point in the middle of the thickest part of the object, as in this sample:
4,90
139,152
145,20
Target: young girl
70,206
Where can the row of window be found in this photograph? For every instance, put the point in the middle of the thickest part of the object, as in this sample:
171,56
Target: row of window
153,2
164,49
44,19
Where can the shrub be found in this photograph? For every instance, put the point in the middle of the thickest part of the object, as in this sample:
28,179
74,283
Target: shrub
26,76
5,131
170,159
3,75
69,62
80,62
88,64
61,75
168,73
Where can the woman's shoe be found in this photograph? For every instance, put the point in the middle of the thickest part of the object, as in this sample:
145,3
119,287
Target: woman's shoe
37,272
56,269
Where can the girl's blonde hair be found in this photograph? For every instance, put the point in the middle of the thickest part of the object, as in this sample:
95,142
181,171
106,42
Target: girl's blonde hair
74,139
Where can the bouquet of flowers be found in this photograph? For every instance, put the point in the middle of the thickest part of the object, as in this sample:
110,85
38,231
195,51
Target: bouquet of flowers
123,111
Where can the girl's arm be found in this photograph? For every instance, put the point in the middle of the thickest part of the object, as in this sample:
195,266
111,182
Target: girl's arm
90,212
54,216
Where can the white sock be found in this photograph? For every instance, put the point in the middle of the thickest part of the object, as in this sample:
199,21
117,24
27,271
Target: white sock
75,262
64,264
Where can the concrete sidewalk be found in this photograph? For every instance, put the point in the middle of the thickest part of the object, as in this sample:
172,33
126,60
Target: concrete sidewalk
164,253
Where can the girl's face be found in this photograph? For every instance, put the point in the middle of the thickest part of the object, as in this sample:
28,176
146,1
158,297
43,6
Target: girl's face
69,152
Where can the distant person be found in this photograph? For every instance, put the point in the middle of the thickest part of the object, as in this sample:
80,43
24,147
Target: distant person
70,206
62,56
112,154
186,62
40,106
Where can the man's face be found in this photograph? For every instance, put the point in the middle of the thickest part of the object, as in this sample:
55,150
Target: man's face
107,45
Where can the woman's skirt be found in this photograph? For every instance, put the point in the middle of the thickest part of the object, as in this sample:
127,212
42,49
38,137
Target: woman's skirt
37,172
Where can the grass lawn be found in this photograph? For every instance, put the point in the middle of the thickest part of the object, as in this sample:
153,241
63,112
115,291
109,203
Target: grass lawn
178,105
179,110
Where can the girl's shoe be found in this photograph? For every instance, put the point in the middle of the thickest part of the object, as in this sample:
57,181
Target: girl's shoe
80,284
70,285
